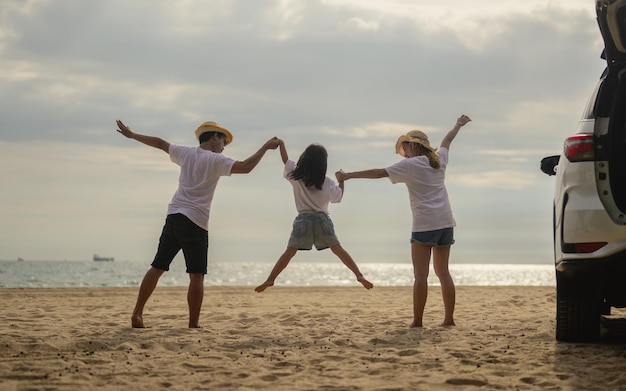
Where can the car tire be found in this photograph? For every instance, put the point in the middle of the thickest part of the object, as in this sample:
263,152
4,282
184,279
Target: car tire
578,310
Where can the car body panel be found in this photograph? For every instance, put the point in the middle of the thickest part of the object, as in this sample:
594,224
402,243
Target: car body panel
610,121
589,216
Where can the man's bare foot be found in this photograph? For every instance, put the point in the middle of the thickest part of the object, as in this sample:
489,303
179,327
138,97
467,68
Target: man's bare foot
415,324
137,322
448,323
364,282
263,286
197,326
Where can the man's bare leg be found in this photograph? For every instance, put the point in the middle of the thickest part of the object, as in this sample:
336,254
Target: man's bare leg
195,295
148,284
281,264
349,262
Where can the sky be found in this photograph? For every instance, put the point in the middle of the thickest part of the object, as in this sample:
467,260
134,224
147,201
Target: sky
352,75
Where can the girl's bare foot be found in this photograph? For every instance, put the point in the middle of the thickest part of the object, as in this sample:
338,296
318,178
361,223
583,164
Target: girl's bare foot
263,286
364,282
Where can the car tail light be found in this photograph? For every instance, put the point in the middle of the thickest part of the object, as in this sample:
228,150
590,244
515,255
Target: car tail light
585,248
579,148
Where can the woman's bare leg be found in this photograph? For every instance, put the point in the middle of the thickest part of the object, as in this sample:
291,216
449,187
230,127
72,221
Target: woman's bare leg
441,256
420,255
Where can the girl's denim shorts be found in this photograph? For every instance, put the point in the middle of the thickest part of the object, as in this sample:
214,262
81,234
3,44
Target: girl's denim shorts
437,238
312,228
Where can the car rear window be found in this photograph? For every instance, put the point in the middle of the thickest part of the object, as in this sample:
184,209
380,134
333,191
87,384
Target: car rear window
590,109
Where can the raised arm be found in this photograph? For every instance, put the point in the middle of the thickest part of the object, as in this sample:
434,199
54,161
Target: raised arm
244,167
340,179
151,141
373,173
460,122
283,151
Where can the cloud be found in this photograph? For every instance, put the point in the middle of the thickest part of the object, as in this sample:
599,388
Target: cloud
353,75
500,179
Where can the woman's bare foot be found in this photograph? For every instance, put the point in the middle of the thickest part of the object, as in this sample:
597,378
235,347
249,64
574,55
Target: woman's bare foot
263,286
364,282
448,323
196,326
137,321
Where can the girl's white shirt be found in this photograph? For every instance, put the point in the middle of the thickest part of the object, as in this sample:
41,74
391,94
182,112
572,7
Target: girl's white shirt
428,196
311,198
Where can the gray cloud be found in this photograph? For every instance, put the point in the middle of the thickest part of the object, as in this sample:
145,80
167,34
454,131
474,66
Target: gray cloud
306,71
236,68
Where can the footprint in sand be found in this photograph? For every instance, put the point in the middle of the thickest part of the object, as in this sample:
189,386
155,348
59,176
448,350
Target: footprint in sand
466,382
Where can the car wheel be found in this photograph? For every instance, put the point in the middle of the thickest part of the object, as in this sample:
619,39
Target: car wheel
578,310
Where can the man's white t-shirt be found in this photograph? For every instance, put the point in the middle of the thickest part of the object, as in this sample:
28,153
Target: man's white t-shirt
430,204
312,198
200,171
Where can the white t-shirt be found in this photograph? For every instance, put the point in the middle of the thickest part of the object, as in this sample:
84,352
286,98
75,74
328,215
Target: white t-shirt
430,204
312,198
200,171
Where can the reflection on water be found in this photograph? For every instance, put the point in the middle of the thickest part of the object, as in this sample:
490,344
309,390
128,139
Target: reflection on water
89,273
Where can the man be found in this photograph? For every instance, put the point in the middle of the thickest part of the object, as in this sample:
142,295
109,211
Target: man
186,225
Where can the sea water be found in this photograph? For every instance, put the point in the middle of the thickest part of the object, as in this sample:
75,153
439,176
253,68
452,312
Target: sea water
51,274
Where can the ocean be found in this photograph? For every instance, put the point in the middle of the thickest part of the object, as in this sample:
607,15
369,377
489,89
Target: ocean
53,274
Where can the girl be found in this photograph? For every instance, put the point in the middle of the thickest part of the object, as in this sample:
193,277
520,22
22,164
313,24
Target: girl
312,191
423,172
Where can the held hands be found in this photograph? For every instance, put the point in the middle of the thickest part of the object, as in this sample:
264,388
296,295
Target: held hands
273,143
462,120
341,176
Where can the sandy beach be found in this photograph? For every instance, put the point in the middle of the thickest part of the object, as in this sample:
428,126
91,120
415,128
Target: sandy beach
295,339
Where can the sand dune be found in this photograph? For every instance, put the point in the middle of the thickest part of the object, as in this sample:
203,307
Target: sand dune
295,339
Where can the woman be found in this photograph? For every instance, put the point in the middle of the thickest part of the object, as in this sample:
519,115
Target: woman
423,172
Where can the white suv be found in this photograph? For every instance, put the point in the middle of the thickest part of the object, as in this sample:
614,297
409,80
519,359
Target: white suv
590,196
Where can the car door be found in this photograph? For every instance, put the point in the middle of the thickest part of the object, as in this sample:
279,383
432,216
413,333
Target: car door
610,121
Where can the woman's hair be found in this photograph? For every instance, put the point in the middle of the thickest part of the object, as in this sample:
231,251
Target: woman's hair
433,157
311,166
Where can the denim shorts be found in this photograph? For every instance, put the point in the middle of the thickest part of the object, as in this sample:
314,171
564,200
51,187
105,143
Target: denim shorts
437,238
181,233
312,228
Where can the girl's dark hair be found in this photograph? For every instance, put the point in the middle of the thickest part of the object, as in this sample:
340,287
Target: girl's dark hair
311,166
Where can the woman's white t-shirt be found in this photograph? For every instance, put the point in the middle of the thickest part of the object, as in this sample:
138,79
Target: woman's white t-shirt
200,170
428,196
312,198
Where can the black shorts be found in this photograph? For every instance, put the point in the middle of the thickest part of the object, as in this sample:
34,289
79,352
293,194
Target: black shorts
181,233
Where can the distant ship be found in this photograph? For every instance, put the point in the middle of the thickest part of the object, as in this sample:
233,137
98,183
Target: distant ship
99,258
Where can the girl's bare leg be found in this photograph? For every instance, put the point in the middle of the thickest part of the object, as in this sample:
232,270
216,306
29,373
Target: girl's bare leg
195,295
349,262
148,284
420,255
441,255
281,264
